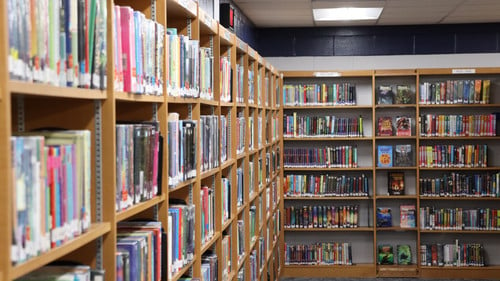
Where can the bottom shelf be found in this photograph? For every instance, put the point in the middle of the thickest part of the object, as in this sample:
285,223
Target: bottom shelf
358,270
485,272
397,271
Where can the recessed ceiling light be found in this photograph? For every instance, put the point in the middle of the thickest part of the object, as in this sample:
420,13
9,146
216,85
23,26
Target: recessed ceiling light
346,14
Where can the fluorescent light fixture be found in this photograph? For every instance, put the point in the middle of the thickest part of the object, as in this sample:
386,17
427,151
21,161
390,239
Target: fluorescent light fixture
346,14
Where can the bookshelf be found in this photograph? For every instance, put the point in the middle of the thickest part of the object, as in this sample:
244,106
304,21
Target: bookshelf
415,172
26,106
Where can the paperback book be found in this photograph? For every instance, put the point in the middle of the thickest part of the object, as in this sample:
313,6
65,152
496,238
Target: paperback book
384,156
396,183
403,155
385,254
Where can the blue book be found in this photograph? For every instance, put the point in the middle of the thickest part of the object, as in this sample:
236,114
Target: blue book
384,158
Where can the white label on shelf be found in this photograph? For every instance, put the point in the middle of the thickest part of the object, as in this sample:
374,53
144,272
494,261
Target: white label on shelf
327,74
463,71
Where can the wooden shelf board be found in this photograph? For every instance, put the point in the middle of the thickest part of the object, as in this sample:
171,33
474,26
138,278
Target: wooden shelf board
390,197
171,99
459,105
183,270
353,229
138,208
45,90
228,163
462,138
208,25
449,71
96,230
461,198
240,104
327,198
289,169
392,106
210,242
241,260
396,72
240,209
397,271
334,73
396,168
485,272
227,223
226,104
241,155
182,9
357,270
182,185
122,96
326,106
461,231
396,138
208,102
208,173
327,139
460,169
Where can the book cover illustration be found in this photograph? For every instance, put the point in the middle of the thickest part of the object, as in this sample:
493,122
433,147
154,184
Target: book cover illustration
384,217
407,215
385,126
403,155
385,95
403,94
403,126
384,156
396,183
385,254
404,254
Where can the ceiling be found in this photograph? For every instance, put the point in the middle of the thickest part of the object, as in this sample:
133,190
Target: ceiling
298,13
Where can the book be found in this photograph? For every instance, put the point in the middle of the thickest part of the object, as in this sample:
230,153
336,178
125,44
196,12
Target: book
403,126
403,254
403,94
403,155
384,217
396,183
385,254
385,126
407,216
385,95
384,153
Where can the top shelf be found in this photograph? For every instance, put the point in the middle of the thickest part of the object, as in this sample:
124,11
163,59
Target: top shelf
182,8
45,90
328,74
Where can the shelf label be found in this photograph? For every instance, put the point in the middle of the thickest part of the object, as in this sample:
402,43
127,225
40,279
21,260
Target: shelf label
463,71
327,74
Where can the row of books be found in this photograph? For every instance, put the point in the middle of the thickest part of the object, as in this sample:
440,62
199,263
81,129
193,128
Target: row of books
206,73
139,52
436,218
240,239
209,266
252,258
394,94
241,128
322,126
207,209
262,253
251,88
275,123
323,253
455,92
183,66
259,88
453,156
138,163
240,187
51,179
240,74
226,89
61,43
181,235
440,125
259,142
210,142
461,185
407,216
182,143
389,126
385,254
320,94
345,156
253,216
226,256
325,185
452,254
346,216
277,225
140,251
252,133
226,199
225,139
399,155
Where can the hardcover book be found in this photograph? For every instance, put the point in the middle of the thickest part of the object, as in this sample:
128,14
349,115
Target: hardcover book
384,156
403,155
384,217
403,94
385,127
403,126
404,254
385,94
407,215
385,254
396,183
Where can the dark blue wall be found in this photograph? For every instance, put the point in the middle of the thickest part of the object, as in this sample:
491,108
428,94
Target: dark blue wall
379,40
